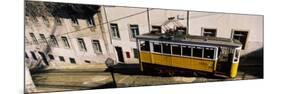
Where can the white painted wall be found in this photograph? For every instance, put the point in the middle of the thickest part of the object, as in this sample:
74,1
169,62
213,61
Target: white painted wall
226,23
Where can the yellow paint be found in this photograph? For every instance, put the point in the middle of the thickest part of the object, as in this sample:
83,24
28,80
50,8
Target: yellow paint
145,57
234,70
178,61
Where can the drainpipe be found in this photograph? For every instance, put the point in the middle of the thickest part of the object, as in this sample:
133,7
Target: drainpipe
148,20
187,24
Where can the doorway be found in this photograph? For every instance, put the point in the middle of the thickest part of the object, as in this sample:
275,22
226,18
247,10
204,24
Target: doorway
44,58
119,54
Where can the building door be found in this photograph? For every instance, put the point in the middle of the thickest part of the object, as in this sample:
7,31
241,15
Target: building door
241,36
44,58
119,54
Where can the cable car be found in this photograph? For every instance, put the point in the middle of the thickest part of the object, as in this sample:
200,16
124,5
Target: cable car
178,52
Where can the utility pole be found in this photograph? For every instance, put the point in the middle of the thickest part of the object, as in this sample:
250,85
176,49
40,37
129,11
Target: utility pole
109,63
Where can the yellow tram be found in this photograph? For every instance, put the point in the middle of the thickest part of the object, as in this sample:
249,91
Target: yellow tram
177,52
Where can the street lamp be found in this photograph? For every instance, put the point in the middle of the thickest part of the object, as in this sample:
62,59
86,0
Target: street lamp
109,63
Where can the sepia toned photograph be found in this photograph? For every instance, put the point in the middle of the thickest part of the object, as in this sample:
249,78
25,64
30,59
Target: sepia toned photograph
71,46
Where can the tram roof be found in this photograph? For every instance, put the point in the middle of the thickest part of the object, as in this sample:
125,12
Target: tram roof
216,41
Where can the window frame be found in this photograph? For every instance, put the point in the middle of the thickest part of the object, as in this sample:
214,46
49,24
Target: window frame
34,39
43,38
162,47
184,44
172,51
156,26
65,41
134,32
54,41
191,50
241,30
214,52
99,51
136,55
203,31
148,49
84,48
158,43
115,33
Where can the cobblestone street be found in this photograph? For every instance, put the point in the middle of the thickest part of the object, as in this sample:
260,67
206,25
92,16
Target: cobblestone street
96,76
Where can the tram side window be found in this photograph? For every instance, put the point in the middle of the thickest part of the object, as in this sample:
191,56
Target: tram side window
186,50
197,51
157,47
145,46
209,52
166,48
176,49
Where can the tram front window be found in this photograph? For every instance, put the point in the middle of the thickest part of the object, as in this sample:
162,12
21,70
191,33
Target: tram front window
197,51
144,46
209,52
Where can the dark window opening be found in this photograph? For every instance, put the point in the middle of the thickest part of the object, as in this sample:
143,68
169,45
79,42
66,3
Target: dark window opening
241,36
166,48
51,57
33,55
197,51
72,60
157,47
61,58
156,29
209,52
136,53
145,46
176,49
58,21
210,32
87,61
25,54
186,50
181,30
74,20
90,21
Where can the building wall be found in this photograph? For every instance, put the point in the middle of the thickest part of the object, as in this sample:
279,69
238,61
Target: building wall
225,23
123,17
67,30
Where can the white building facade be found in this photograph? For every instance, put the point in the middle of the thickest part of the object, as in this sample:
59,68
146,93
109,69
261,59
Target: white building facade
111,30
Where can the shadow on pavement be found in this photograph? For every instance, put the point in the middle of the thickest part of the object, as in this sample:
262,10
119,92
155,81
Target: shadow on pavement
252,64
134,69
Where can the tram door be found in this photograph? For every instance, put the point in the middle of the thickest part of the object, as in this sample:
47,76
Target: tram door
225,57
